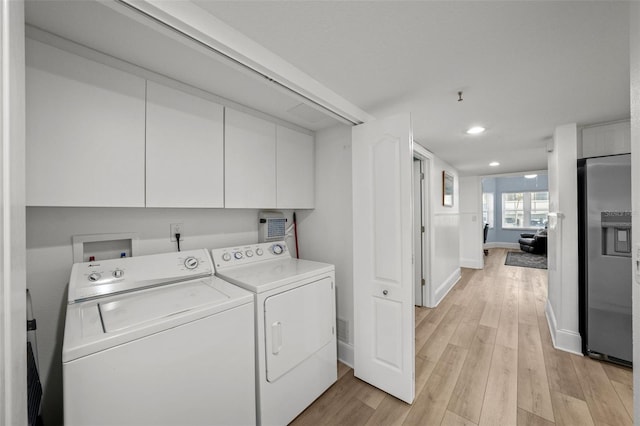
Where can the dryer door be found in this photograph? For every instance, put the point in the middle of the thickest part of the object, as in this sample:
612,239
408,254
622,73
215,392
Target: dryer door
298,323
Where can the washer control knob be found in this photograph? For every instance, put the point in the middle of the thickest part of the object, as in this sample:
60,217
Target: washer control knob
226,257
118,273
191,262
259,251
238,255
277,249
94,276
248,253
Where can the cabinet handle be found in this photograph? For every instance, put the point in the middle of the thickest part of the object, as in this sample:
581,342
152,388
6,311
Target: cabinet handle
276,337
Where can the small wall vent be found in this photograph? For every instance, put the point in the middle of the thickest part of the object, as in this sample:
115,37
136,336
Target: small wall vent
343,330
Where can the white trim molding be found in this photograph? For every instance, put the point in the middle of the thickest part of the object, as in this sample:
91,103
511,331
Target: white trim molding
472,263
345,353
498,244
444,288
564,340
13,310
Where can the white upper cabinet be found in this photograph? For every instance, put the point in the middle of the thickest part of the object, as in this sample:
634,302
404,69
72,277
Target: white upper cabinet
85,131
249,161
185,149
606,139
295,169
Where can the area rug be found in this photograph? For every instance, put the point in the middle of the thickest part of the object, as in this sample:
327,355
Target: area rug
526,260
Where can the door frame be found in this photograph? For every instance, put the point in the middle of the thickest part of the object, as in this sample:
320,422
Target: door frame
426,158
13,311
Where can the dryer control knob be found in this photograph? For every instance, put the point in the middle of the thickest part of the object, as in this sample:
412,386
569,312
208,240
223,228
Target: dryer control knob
191,262
277,249
226,257
248,253
259,251
238,255
94,276
118,273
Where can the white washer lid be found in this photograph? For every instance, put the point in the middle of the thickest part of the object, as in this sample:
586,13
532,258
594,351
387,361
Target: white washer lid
140,307
263,276
99,324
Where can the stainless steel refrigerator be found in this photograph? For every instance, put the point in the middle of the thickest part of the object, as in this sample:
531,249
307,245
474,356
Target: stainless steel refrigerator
604,203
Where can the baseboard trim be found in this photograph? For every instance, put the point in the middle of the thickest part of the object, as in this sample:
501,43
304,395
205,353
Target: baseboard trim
345,353
472,263
501,245
446,286
564,340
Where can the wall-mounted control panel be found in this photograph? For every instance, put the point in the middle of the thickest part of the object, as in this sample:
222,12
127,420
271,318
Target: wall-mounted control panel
243,255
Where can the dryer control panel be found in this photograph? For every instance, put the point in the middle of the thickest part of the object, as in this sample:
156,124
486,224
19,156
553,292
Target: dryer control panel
243,255
106,277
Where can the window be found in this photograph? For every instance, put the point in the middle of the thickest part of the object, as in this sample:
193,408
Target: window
513,210
487,208
539,209
525,209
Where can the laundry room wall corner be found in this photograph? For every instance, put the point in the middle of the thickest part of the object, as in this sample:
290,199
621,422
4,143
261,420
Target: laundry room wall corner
50,257
325,233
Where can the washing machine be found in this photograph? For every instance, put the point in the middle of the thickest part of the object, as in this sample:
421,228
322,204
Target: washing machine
157,340
296,353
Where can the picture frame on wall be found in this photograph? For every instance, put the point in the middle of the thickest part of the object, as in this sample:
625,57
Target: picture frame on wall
447,189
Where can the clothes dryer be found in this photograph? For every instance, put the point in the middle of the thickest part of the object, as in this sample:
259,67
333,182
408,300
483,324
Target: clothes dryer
296,353
157,340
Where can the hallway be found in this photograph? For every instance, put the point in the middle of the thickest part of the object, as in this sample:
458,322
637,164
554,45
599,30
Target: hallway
484,356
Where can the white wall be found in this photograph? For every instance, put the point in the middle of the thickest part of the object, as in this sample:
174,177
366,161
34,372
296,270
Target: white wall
562,304
49,260
445,234
471,236
325,234
634,50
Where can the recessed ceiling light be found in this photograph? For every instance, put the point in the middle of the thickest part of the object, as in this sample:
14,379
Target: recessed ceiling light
475,130
494,164
530,176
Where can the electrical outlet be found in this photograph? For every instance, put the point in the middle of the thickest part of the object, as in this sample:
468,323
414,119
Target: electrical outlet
175,228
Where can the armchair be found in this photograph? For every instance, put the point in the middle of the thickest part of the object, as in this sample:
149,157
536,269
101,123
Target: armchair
534,243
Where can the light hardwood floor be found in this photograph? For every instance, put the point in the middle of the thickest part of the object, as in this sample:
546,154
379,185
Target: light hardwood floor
484,357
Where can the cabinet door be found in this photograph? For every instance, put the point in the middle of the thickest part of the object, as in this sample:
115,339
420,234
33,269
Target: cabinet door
184,149
85,131
249,161
295,169
606,139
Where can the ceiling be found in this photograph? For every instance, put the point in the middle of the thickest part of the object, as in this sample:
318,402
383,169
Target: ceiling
524,67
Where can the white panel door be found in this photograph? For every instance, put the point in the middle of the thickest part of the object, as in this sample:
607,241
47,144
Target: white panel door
382,255
249,161
185,164
295,169
85,131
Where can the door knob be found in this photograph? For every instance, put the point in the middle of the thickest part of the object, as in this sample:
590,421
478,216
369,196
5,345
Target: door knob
385,292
